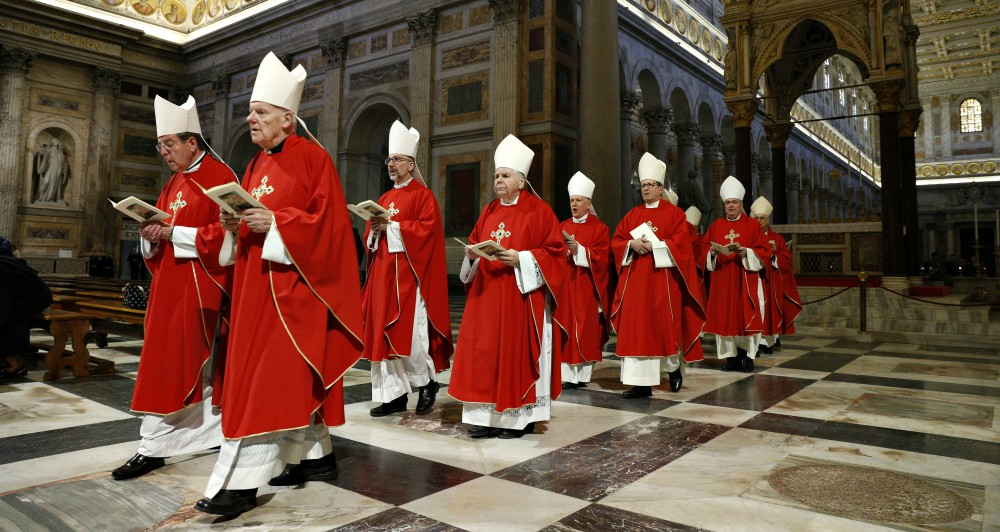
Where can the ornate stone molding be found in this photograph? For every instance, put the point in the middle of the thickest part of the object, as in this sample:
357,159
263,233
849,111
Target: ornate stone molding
887,94
334,52
792,180
15,60
909,121
422,28
777,134
658,120
506,11
631,103
687,133
220,84
711,145
763,167
729,153
107,80
743,111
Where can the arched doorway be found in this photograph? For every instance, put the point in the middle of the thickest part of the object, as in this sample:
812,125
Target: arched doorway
362,162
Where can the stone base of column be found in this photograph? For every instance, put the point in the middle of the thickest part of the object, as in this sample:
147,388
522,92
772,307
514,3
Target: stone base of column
899,284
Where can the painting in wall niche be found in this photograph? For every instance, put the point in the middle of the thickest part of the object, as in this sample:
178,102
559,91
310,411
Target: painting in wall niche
51,170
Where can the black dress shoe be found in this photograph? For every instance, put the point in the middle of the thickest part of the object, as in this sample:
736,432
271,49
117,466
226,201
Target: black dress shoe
570,385
675,380
747,366
638,392
764,349
317,469
428,394
396,405
137,466
777,343
510,434
733,364
229,503
479,431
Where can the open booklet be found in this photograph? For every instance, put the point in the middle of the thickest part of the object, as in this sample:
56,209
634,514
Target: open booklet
367,209
725,250
567,237
233,198
139,210
644,231
486,249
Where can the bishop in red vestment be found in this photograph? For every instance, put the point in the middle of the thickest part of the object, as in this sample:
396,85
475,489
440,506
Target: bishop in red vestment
176,374
586,285
504,370
407,322
658,312
781,294
735,295
296,319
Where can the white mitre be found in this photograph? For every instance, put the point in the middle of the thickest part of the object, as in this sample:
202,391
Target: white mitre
761,207
172,119
403,141
581,185
513,154
277,86
672,196
651,168
732,189
693,215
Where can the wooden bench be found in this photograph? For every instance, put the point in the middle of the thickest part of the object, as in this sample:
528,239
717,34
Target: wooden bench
98,294
64,325
110,311
66,302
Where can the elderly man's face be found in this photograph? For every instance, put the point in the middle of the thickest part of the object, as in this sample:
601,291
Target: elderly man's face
765,224
178,154
651,191
507,183
734,208
268,124
400,167
579,205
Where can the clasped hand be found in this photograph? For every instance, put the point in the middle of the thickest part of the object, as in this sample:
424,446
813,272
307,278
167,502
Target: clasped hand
154,231
257,220
641,246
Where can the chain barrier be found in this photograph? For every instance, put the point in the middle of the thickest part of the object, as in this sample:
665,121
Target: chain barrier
937,302
804,303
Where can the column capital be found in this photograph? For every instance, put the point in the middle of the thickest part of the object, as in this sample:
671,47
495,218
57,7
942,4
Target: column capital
221,84
792,180
107,80
909,121
777,134
711,145
422,28
687,132
631,103
995,93
15,60
743,111
334,52
887,94
763,167
506,11
658,119
729,152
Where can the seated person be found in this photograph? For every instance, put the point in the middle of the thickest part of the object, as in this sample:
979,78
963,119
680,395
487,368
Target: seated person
22,293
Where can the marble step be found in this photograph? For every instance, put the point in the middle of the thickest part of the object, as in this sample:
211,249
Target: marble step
928,315
973,330
956,340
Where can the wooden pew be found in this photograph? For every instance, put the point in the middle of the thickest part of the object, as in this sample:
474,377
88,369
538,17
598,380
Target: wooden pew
100,294
66,302
110,311
64,325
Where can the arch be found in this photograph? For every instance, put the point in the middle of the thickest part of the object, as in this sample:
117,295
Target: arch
971,114
847,41
706,119
241,151
681,106
650,87
366,145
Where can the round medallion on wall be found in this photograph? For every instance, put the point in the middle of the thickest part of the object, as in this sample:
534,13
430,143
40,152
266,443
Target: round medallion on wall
665,12
232,4
989,167
143,7
680,21
926,170
214,8
973,168
174,11
694,32
941,169
198,14
650,5
706,40
114,3
958,169
717,49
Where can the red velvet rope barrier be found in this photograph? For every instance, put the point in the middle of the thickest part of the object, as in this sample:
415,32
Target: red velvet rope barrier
936,302
858,283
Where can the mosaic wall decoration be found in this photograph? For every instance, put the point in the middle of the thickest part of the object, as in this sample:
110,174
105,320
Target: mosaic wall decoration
468,54
380,75
178,15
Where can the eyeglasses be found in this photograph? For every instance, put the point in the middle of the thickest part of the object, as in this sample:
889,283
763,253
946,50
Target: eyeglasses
397,160
649,185
169,145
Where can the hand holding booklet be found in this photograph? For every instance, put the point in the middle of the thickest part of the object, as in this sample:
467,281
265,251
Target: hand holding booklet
725,250
644,231
368,209
486,249
233,198
139,210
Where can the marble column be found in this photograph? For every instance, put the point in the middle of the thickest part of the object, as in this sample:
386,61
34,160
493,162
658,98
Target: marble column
14,66
729,169
777,136
658,122
422,28
334,51
995,98
928,115
505,91
945,128
687,146
101,229
601,157
909,120
631,129
220,86
894,254
764,180
743,111
792,213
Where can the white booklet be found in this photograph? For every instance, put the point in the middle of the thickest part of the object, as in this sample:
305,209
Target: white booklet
486,249
367,209
139,210
644,231
233,198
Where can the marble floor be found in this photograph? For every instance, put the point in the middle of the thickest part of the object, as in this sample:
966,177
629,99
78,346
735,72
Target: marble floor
824,435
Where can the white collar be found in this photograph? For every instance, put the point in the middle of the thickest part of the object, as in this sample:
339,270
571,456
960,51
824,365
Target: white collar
403,184
653,205
581,219
197,164
511,203
738,216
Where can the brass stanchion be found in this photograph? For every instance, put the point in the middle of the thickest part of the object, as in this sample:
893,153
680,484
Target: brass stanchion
863,278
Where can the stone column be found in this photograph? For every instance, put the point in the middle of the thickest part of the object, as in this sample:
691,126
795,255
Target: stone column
422,29
658,122
729,169
713,173
506,90
995,97
631,128
928,114
792,213
601,157
909,120
101,229
687,142
894,254
743,112
777,136
14,66
334,51
765,187
221,85
945,127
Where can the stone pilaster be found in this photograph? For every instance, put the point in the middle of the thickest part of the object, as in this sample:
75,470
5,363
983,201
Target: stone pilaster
764,184
633,134
688,146
334,51
99,236
14,66
658,122
505,92
743,111
422,28
794,203
220,86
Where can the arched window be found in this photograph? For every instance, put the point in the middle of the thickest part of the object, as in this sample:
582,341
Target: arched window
972,116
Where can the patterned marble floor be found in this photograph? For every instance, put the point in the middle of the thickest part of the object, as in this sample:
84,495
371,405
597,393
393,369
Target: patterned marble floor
824,435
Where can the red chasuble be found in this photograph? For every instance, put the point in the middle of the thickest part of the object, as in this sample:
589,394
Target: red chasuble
586,293
296,328
733,304
184,298
657,312
781,294
500,339
394,279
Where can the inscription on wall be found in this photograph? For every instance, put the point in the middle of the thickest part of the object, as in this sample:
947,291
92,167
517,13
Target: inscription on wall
58,36
380,75
48,233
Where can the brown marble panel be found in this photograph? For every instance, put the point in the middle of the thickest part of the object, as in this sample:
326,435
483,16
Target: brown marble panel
601,465
312,92
400,37
135,113
137,145
390,73
483,78
357,49
450,23
923,409
380,43
60,103
600,517
757,393
964,371
133,180
469,54
397,519
479,15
